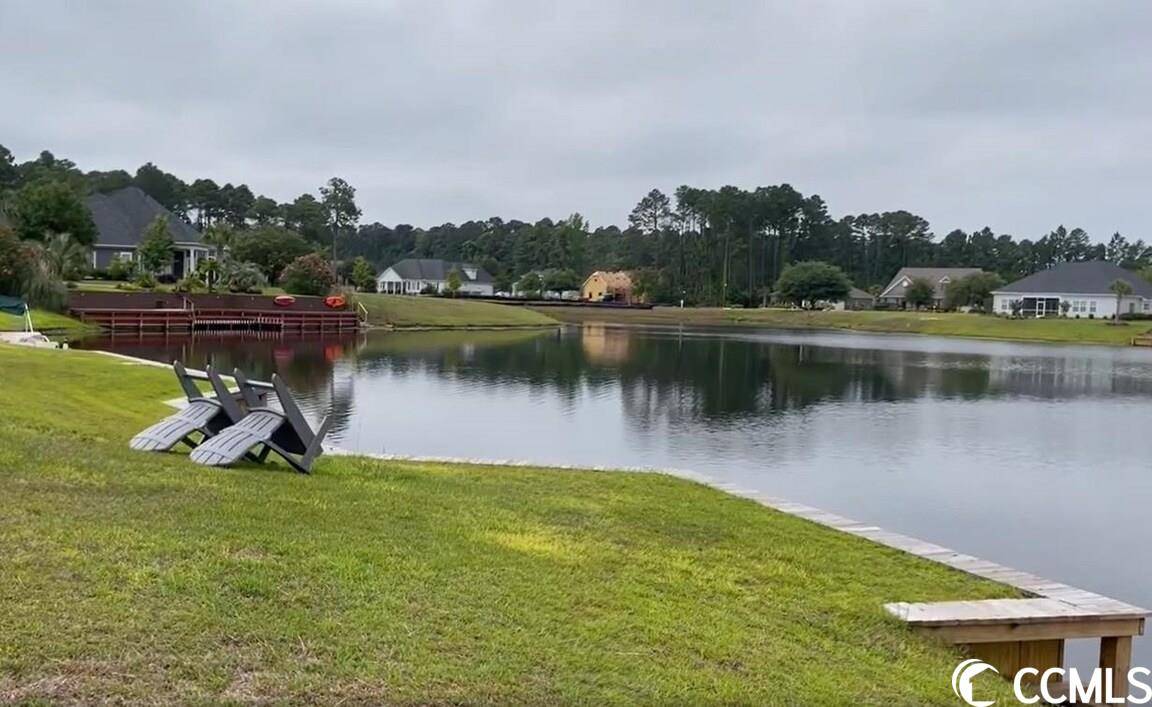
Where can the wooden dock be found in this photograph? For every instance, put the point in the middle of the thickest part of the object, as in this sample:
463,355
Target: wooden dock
166,312
194,320
1009,634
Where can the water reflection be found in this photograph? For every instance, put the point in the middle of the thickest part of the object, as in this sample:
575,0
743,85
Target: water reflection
682,378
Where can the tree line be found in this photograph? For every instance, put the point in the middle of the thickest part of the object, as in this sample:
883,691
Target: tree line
703,246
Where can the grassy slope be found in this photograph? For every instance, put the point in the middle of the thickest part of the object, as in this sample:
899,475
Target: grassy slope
133,576
1086,331
44,321
408,311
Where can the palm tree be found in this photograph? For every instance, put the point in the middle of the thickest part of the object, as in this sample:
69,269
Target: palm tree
42,286
1121,288
221,238
63,256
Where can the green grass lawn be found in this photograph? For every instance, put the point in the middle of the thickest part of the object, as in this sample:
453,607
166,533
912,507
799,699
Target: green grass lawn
137,577
1079,331
411,311
45,321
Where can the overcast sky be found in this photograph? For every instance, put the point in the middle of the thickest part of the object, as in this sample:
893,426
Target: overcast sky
1018,115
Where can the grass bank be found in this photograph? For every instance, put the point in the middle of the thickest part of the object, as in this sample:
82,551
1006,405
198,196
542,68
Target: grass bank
1073,331
405,311
137,577
44,321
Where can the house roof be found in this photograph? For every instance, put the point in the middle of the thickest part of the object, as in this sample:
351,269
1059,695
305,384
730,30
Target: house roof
121,217
1089,278
857,293
615,279
434,269
939,277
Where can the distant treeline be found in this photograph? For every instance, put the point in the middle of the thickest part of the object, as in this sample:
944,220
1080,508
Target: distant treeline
706,246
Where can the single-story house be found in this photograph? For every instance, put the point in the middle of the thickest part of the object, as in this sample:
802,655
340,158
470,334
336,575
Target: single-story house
1084,286
122,216
893,294
602,286
413,275
856,299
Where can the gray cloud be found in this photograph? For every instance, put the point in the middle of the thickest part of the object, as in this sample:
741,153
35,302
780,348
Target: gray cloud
1016,115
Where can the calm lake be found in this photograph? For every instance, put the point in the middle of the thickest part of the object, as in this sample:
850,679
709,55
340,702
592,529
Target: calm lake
1035,456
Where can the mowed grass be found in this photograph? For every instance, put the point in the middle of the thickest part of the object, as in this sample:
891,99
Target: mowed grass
414,311
1077,331
45,321
141,577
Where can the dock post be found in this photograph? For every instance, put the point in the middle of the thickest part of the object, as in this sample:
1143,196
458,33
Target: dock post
1116,653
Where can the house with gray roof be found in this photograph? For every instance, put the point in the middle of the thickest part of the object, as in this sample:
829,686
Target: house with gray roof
940,278
1086,287
856,299
122,216
414,275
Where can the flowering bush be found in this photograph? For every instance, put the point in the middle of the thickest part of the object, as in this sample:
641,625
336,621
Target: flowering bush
308,275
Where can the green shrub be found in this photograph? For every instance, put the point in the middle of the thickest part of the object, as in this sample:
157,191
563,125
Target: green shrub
308,275
189,284
145,281
243,277
121,269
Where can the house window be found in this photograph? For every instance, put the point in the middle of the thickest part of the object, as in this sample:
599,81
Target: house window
1005,305
1092,306
1041,306
125,255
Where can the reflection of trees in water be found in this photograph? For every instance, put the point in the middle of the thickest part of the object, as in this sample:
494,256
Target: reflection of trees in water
549,360
660,377
680,378
305,363
677,377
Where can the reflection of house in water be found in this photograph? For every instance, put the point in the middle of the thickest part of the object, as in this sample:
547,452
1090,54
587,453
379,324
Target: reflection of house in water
605,344
1066,376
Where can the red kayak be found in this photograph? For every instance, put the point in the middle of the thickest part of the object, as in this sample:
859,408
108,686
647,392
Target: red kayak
335,301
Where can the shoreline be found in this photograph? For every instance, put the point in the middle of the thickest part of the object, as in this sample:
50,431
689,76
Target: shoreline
867,322
1030,584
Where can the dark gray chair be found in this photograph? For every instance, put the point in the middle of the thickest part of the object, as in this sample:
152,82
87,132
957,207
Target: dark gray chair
284,432
203,418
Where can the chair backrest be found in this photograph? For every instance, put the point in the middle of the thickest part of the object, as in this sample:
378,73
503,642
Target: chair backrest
191,390
247,391
292,410
223,395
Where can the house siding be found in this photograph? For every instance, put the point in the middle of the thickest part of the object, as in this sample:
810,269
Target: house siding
1098,305
391,282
